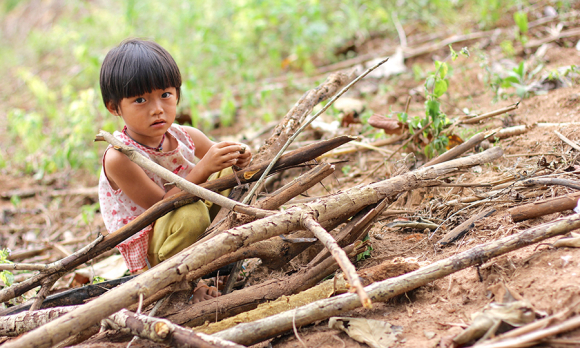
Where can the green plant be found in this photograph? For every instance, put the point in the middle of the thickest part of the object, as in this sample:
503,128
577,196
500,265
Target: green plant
6,276
521,19
366,253
346,169
518,78
98,279
15,200
435,121
88,212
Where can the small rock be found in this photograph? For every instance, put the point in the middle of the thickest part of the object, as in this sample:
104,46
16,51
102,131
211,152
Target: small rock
429,334
549,11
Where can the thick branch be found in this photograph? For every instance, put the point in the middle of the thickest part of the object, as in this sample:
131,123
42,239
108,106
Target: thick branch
164,331
260,330
163,207
176,268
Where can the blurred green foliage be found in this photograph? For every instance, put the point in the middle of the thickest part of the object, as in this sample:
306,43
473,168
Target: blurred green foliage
52,53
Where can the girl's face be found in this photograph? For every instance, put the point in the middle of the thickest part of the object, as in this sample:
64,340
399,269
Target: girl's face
148,116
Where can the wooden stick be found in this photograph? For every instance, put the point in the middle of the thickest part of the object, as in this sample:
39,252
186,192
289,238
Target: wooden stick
23,267
41,295
563,34
176,268
180,182
14,325
545,207
458,150
297,186
263,329
164,331
551,181
463,228
339,255
567,141
102,244
501,111
534,338
510,132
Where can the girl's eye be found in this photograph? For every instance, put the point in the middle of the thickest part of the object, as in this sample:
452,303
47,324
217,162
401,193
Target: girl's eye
140,100
166,95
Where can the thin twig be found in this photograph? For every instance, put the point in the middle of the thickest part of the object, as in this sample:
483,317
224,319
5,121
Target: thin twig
567,141
397,150
501,111
24,267
309,223
306,123
296,331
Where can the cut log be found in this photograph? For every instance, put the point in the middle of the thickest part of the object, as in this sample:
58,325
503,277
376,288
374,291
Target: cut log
545,207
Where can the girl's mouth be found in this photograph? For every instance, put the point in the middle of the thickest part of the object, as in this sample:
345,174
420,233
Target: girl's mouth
158,123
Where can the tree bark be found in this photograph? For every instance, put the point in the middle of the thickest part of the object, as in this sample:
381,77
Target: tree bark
249,298
545,207
163,207
176,268
457,150
251,333
463,228
164,331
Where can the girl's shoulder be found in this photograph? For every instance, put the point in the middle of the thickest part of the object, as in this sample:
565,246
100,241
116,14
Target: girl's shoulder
182,134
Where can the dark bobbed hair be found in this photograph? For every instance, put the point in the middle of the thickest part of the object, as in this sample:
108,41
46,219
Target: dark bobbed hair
136,67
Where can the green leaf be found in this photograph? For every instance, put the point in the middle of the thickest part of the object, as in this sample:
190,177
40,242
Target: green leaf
521,19
432,109
464,52
453,53
440,88
429,82
15,200
442,68
7,277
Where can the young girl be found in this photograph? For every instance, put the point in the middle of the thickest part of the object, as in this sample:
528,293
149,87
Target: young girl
140,82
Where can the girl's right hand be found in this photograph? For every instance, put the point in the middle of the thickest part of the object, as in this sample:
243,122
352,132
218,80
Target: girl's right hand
220,156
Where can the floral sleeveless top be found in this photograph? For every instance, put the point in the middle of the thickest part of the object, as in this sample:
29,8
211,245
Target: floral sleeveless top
117,209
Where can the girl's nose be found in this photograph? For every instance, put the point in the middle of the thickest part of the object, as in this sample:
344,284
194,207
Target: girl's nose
157,107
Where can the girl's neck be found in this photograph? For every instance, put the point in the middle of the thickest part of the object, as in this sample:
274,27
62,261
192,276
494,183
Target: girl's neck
158,148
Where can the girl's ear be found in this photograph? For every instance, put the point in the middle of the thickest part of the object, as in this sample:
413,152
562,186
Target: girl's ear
112,109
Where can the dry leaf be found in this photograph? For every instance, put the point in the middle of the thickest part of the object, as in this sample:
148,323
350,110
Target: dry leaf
486,322
389,125
454,140
375,333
